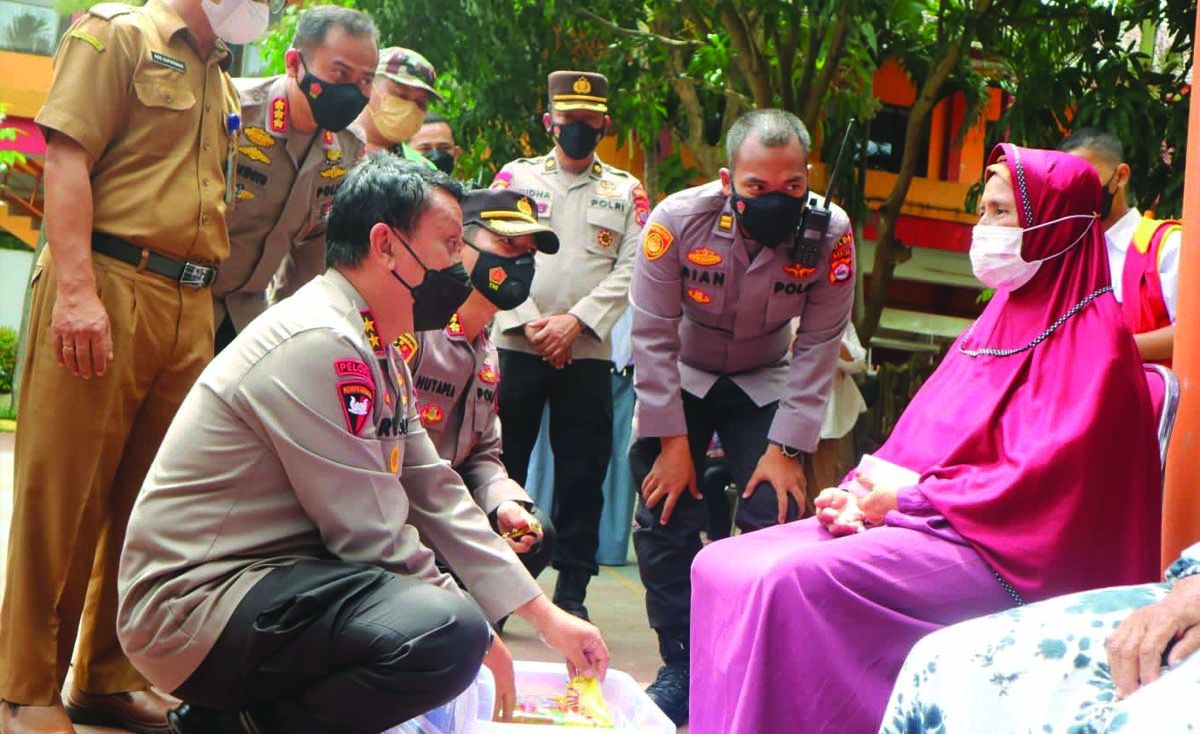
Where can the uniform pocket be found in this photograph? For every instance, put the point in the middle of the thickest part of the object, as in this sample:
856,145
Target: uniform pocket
164,115
606,229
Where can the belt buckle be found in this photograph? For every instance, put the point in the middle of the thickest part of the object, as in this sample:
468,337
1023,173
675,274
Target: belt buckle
196,276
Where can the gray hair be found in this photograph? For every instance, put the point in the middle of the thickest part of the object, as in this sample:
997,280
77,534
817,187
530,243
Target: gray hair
315,23
773,129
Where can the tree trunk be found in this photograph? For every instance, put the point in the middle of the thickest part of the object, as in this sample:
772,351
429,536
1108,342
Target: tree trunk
888,252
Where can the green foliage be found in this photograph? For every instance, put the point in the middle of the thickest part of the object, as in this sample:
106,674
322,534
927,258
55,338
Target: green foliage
8,359
8,156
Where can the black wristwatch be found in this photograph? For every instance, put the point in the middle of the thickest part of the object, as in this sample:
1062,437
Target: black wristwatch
789,451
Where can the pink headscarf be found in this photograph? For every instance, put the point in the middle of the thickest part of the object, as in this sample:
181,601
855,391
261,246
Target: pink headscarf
1045,459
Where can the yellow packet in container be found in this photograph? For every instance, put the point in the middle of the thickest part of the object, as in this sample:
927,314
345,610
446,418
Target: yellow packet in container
582,706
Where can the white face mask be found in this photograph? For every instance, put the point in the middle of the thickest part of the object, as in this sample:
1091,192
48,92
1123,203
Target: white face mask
996,253
237,21
397,119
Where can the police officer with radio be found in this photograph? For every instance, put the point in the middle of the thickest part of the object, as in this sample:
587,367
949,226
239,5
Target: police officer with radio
723,270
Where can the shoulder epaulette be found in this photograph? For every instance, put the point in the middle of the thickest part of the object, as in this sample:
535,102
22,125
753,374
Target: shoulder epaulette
108,11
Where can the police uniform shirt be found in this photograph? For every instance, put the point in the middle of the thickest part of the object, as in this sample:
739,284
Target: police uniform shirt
703,308
457,383
283,189
303,441
132,91
598,217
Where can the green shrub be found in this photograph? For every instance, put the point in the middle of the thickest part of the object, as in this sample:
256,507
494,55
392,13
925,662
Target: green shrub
8,359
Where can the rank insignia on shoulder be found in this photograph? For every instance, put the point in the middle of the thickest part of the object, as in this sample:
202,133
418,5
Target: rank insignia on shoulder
255,154
357,399
725,223
550,164
259,137
278,121
88,38
657,241
455,327
597,169
372,331
705,257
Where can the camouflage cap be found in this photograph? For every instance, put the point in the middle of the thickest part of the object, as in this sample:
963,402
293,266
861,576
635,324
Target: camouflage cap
407,67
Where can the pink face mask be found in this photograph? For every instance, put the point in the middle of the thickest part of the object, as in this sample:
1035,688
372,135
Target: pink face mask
996,253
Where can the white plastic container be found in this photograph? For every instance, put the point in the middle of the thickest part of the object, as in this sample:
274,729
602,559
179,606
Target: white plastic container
471,712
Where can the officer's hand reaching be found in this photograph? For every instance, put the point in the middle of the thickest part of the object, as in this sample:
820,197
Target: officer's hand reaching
499,661
673,471
82,336
518,527
579,641
785,474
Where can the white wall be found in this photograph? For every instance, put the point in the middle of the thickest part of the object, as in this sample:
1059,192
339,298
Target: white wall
15,267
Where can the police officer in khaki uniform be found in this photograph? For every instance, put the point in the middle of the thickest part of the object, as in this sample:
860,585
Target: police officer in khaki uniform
457,369
714,293
138,143
400,98
556,345
295,148
278,574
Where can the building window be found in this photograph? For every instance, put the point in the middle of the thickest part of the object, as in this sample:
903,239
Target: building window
885,146
30,26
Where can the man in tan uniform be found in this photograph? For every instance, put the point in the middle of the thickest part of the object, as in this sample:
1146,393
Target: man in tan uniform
556,346
457,369
279,574
120,325
295,150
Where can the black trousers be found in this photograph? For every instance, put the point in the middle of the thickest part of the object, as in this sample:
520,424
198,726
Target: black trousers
665,552
224,335
581,424
328,646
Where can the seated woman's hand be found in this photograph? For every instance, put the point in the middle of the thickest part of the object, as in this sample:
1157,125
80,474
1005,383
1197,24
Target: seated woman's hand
879,500
1136,648
839,512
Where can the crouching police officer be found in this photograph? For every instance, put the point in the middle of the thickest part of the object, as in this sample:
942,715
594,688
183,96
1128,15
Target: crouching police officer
715,288
278,574
457,370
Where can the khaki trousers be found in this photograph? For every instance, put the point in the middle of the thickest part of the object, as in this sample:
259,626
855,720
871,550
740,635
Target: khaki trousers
83,448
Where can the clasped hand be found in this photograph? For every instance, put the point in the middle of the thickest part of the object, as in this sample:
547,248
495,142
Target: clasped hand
843,513
553,336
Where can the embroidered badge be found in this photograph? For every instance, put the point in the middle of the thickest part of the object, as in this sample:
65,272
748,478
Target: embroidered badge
698,295
841,260
259,137
167,61
488,374
705,257
407,346
431,415
502,180
455,327
496,277
641,205
255,154
242,193
606,188
315,89
798,271
604,238
89,39
279,115
657,241
372,331
356,398
353,368
725,223
328,139
394,459
333,155
582,86
333,172
525,206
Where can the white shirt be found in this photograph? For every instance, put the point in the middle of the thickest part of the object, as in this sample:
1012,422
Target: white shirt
1119,237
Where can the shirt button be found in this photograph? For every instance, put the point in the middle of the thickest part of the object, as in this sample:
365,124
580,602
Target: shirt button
204,219
207,145
208,108
206,182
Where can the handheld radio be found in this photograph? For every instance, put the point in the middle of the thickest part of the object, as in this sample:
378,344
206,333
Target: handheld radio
814,225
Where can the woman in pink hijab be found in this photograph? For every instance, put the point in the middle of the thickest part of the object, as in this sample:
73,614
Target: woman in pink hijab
1036,474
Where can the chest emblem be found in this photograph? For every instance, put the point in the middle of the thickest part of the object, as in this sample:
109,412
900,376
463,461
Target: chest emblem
259,137
705,257
432,414
604,238
254,154
488,374
699,296
798,271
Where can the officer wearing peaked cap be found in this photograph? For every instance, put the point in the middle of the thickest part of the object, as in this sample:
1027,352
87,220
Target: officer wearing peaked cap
714,293
457,369
296,148
557,344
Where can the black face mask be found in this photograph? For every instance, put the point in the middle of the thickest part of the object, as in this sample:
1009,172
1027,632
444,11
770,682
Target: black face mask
439,295
333,106
578,139
770,219
1106,204
442,159
505,281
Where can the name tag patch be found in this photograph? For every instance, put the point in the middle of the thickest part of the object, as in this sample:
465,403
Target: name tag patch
167,61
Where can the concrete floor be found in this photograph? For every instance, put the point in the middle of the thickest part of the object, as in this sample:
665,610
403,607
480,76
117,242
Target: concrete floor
615,600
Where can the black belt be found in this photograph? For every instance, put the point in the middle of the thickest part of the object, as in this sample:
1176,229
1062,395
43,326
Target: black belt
180,271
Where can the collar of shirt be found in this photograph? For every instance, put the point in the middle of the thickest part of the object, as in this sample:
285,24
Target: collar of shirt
1120,235
169,24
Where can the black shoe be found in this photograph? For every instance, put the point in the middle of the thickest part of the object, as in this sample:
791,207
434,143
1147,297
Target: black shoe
570,590
188,719
670,692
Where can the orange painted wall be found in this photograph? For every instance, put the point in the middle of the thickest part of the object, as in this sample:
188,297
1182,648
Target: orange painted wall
24,82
